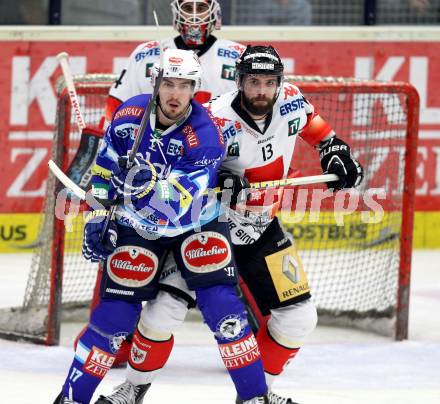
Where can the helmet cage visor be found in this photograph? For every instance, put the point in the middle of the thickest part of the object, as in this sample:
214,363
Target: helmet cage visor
196,22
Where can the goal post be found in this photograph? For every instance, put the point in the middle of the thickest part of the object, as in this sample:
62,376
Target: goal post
387,115
359,271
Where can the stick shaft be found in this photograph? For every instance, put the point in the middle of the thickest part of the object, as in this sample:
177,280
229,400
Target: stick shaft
63,60
291,182
137,141
314,179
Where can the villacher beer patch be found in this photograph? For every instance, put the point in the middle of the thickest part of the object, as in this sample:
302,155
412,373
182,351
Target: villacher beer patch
132,266
206,252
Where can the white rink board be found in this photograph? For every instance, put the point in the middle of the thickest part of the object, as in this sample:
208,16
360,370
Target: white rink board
336,366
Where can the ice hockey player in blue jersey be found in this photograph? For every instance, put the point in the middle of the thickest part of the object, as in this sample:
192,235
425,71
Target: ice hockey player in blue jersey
164,210
196,22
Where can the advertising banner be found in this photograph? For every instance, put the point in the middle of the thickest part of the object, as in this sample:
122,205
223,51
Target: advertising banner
29,69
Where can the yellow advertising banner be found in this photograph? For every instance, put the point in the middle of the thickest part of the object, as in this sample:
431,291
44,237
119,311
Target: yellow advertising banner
19,232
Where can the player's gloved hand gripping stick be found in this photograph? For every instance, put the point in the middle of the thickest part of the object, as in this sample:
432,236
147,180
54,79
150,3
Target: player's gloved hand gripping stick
127,163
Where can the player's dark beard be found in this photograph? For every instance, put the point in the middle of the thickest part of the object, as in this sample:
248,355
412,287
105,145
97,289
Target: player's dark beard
258,109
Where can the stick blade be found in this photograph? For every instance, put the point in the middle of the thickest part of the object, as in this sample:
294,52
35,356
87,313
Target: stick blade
66,181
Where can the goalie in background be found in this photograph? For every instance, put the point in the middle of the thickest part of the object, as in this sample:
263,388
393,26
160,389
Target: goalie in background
195,20
260,122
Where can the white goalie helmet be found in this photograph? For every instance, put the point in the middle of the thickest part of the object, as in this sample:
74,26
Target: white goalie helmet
196,19
179,64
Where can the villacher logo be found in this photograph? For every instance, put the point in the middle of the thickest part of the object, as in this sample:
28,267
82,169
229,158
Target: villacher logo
132,266
206,252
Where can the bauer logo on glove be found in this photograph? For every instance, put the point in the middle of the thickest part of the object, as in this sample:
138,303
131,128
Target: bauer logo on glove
336,158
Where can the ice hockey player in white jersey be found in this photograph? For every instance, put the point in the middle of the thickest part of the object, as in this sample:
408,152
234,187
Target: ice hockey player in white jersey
260,123
194,20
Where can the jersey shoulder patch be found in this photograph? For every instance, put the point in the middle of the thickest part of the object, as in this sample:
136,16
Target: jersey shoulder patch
289,90
226,43
291,100
202,129
149,49
228,50
133,108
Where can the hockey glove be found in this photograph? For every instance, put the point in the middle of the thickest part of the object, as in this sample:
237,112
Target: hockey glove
97,248
336,159
134,181
235,184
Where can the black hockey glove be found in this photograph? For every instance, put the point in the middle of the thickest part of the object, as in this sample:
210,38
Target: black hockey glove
234,184
336,159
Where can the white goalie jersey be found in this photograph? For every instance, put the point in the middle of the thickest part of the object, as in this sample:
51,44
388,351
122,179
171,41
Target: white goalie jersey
217,58
262,155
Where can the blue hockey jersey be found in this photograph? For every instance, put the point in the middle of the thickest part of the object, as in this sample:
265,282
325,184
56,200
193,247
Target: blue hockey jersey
186,157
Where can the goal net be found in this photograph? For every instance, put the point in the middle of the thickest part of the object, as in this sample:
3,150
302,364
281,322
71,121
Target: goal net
355,245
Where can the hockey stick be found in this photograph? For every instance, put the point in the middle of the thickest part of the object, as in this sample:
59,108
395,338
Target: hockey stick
80,166
314,179
63,60
66,181
137,140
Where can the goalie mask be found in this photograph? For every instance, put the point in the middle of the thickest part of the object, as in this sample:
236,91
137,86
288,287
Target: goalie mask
179,64
259,60
196,19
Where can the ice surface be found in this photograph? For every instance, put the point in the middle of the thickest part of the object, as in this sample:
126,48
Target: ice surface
336,366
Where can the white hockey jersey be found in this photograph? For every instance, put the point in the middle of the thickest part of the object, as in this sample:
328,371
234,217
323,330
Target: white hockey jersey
263,155
217,58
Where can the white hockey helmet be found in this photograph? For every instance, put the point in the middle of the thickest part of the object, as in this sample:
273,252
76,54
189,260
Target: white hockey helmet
179,64
196,19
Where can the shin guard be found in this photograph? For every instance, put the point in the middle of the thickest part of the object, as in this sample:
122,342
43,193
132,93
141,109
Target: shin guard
226,316
274,355
147,357
111,321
